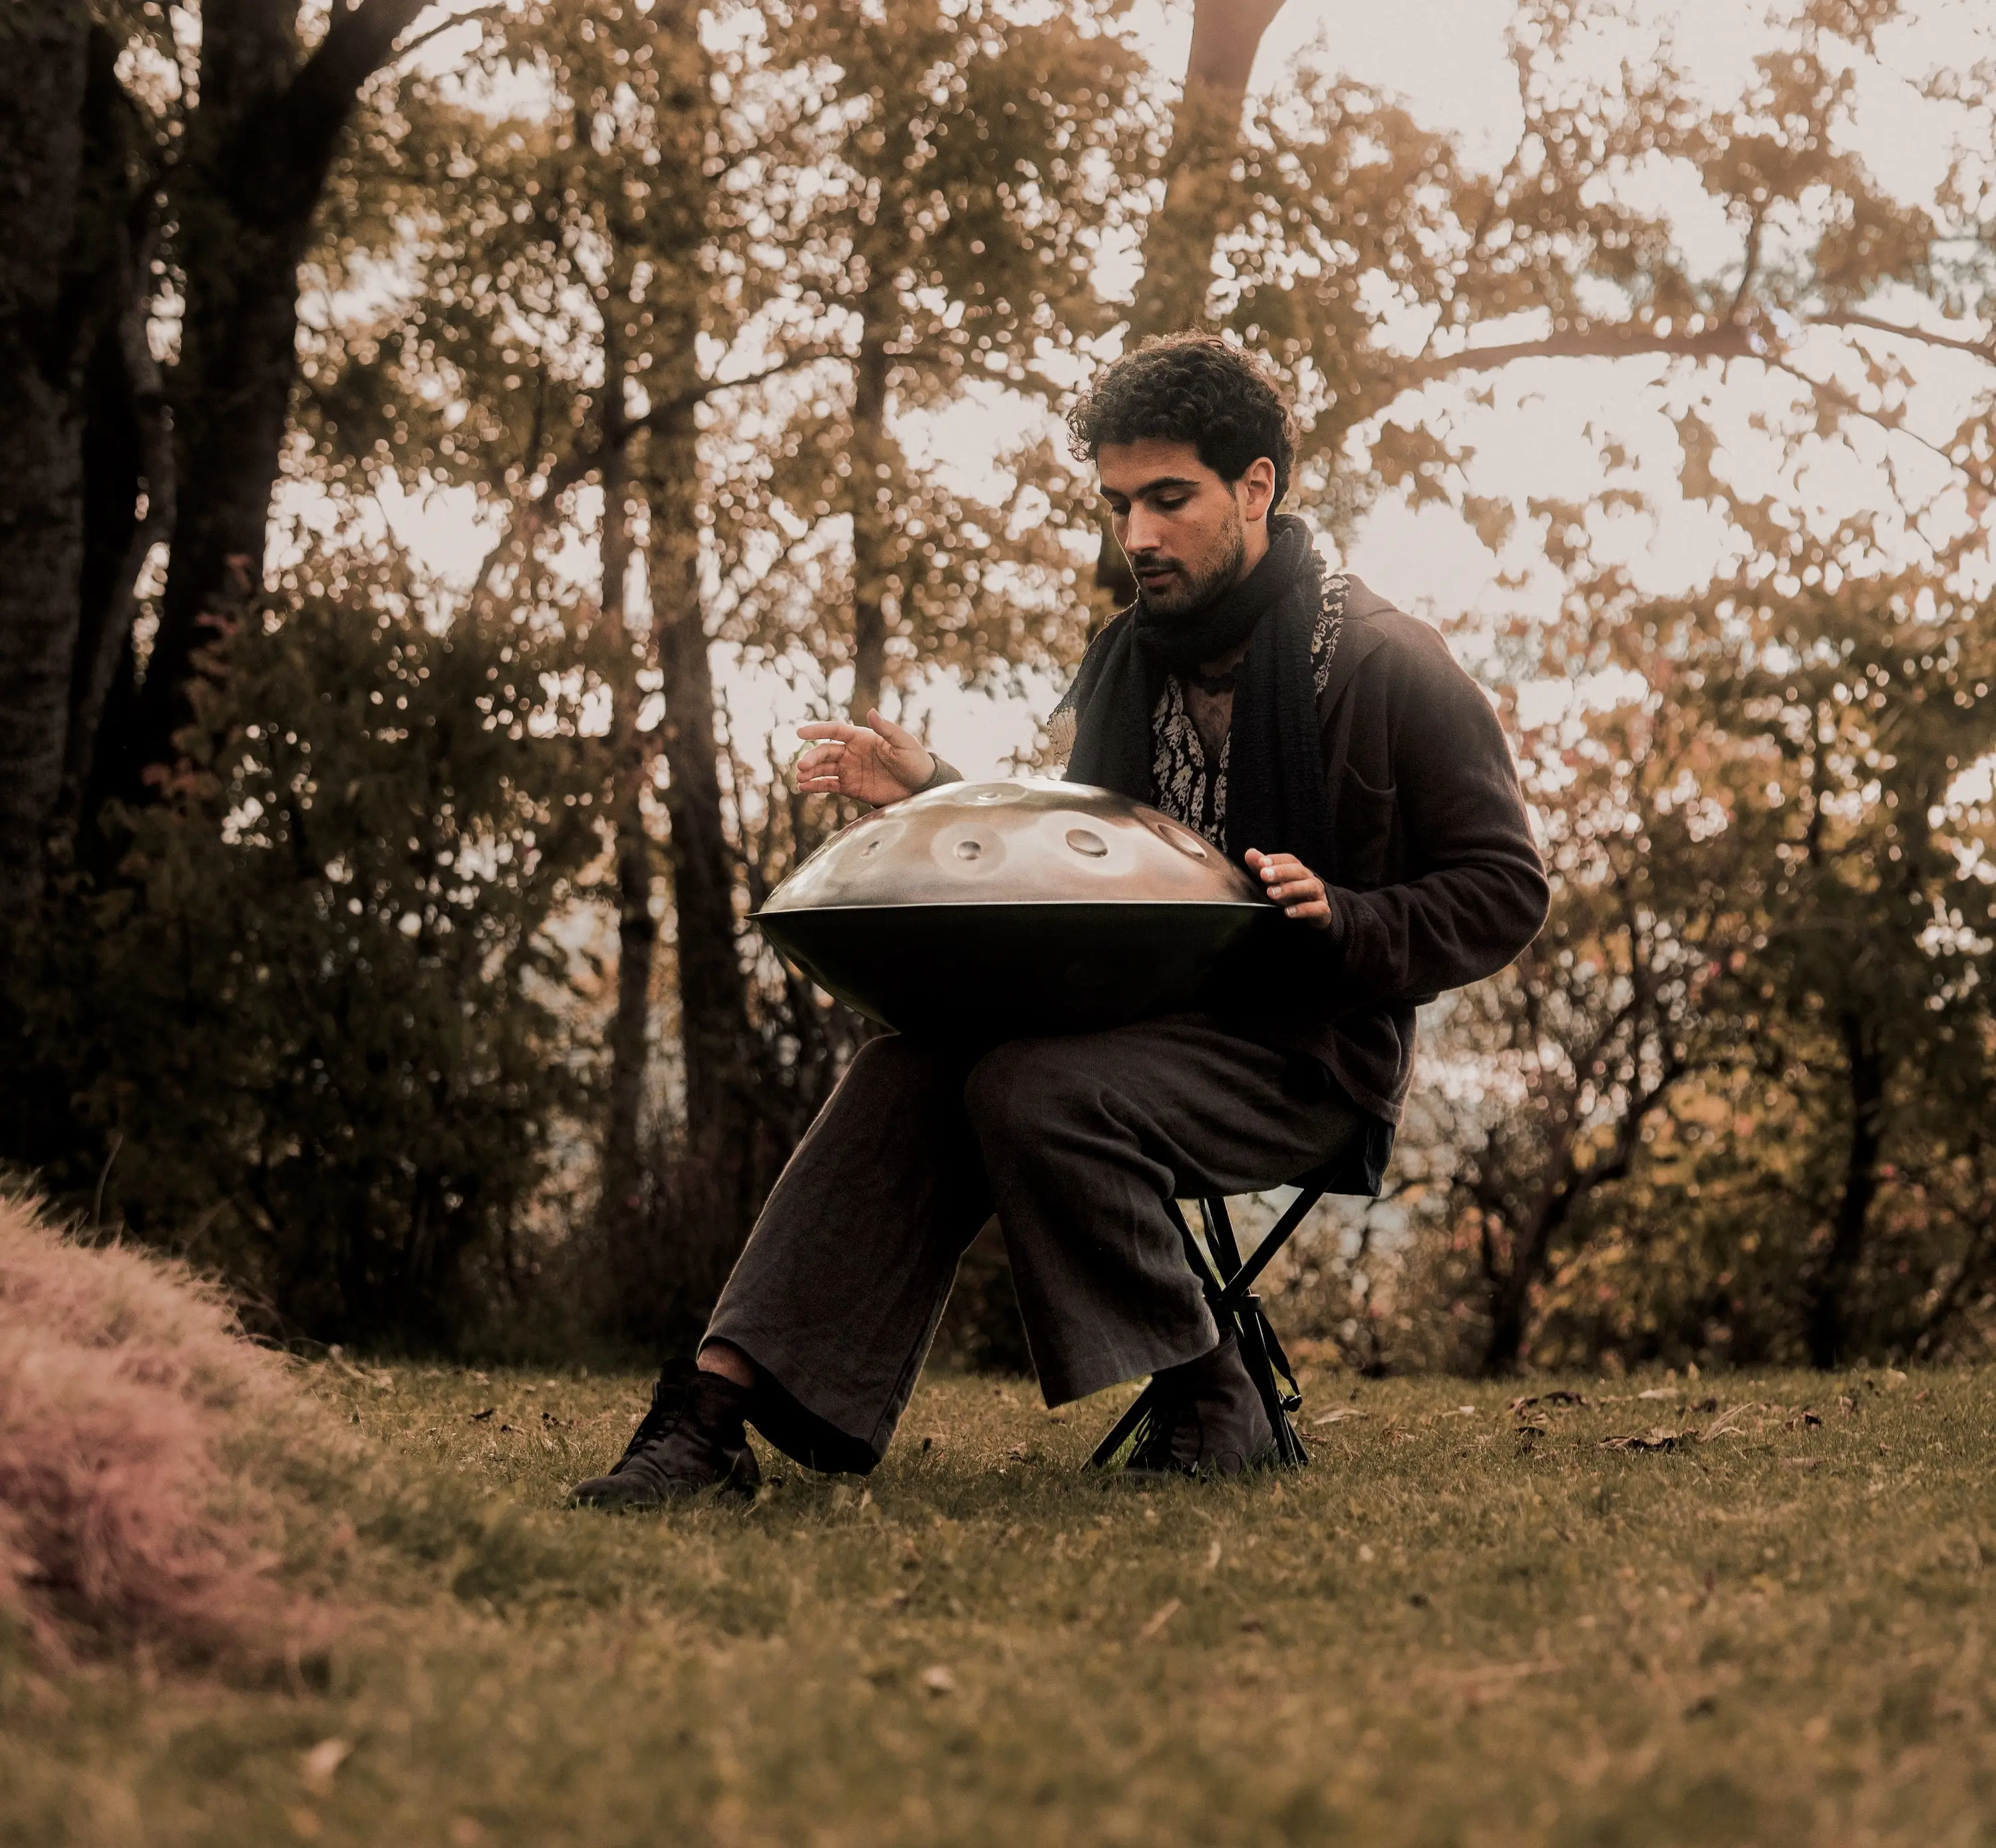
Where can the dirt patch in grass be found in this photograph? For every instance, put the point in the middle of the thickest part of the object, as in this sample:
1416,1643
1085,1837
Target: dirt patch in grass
1467,1622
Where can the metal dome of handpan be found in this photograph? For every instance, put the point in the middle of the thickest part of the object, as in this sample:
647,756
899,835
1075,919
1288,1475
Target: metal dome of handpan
985,910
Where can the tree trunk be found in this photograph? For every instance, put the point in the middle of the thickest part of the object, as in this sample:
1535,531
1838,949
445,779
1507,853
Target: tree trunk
1199,191
1198,198
637,929
720,1176
42,167
872,528
231,384
1829,1296
1511,1291
128,507
258,151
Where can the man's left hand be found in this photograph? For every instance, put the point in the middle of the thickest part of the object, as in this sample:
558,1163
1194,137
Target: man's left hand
1292,885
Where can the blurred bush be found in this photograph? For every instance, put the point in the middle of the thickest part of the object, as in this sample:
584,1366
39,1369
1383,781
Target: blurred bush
312,1023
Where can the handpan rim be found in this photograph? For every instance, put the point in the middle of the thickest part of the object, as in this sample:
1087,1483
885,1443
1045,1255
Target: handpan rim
1021,904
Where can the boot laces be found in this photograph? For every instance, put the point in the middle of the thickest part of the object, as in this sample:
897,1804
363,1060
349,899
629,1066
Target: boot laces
669,1399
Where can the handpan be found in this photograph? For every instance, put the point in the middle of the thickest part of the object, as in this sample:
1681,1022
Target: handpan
991,910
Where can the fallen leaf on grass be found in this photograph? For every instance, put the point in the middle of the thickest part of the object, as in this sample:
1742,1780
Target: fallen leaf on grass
1658,1440
1339,1416
480,1417
1483,1680
1803,1462
938,1680
1159,1618
316,1768
1730,1423
1660,1392
1559,1397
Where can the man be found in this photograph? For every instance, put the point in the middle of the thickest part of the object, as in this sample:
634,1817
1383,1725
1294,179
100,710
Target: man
1326,742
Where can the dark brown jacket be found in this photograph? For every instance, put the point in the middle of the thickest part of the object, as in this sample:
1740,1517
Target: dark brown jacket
1437,882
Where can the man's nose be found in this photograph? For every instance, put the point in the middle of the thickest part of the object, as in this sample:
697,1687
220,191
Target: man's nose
1142,531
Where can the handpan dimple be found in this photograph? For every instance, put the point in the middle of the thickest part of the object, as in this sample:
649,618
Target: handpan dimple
961,852
990,910
1182,839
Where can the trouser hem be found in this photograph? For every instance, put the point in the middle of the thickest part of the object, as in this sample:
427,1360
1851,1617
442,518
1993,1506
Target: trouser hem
805,1433
1107,1371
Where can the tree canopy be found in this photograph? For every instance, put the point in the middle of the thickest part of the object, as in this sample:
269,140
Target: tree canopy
662,308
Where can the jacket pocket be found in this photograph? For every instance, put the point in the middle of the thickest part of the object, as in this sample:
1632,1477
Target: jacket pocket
1367,832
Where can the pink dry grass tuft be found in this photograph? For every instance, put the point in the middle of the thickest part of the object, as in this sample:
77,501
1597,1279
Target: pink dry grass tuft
129,1399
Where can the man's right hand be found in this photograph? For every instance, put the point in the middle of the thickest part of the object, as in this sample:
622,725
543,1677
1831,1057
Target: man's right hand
877,762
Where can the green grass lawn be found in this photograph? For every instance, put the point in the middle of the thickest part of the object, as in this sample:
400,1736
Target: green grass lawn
1462,1624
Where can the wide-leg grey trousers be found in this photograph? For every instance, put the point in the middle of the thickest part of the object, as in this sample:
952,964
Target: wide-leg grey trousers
1077,1143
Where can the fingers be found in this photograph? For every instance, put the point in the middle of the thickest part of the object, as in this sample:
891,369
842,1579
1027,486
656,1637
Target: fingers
892,733
1280,871
833,728
821,770
1292,885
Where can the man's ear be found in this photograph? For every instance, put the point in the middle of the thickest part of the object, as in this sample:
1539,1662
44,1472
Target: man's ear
1257,490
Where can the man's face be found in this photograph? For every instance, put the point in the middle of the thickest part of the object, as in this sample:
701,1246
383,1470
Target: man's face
1186,533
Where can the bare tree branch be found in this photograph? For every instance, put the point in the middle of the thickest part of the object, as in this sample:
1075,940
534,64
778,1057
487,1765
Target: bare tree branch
1983,349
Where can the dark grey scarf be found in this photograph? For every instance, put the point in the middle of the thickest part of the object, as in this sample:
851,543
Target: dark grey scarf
1275,798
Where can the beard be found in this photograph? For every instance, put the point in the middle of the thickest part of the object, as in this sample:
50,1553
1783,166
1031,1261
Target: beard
1195,583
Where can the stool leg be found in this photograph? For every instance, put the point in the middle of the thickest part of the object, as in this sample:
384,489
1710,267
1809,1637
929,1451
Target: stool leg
1251,1327
1124,1429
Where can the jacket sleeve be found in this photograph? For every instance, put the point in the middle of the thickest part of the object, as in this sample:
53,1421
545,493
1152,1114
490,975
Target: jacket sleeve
1476,892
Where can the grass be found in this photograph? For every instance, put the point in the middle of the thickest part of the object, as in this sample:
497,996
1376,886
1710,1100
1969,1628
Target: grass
1462,1624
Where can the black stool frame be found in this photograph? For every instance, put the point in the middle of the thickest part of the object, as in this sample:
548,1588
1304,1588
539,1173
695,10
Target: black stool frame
1229,1283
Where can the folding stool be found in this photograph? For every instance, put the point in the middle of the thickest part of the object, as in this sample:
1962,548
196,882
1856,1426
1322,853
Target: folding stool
1229,1284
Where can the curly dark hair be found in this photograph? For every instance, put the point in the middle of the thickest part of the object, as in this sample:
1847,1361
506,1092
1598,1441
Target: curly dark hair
1195,388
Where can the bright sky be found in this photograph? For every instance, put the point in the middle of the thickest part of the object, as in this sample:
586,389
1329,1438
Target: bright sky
1447,59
